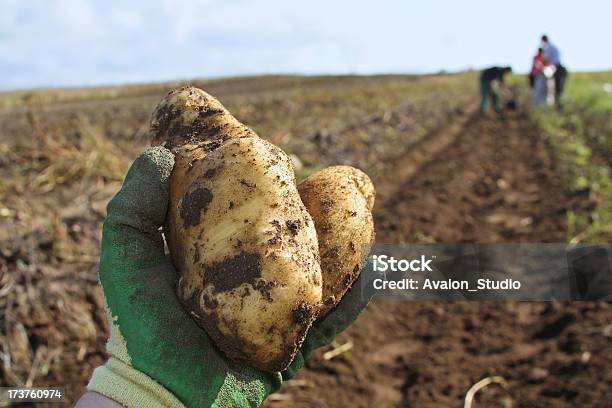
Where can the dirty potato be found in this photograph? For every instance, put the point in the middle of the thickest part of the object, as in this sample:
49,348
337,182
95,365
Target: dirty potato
243,243
340,200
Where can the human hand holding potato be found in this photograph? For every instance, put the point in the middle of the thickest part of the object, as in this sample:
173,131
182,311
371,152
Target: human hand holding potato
159,356
255,269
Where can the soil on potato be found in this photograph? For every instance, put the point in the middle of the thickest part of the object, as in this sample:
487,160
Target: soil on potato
442,174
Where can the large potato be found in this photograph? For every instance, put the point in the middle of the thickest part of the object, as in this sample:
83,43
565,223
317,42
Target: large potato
241,239
340,200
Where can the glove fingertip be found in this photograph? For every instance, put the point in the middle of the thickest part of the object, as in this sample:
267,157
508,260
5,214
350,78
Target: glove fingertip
142,201
157,162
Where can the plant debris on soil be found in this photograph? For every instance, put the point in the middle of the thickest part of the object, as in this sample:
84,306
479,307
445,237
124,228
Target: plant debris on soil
443,174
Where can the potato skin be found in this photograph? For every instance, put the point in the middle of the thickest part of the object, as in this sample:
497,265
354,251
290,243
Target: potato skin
340,200
188,115
243,244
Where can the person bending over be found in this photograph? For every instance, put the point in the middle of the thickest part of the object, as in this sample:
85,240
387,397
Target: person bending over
491,80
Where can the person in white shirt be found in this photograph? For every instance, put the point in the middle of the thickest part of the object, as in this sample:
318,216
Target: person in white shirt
552,56
551,53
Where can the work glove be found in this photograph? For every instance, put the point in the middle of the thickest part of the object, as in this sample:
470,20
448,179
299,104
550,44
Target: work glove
159,356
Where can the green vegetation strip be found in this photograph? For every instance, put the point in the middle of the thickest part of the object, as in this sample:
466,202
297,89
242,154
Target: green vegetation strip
581,135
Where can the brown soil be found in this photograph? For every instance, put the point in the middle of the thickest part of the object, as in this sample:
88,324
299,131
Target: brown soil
442,175
480,180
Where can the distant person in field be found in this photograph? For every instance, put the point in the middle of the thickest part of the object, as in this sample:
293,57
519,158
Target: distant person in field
538,80
536,66
552,56
491,80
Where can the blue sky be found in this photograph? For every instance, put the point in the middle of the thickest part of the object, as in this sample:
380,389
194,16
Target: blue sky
81,42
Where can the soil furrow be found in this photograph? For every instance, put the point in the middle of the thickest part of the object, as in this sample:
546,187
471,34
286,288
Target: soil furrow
487,180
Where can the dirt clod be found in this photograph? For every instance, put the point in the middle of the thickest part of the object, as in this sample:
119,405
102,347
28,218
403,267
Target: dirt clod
193,203
231,273
302,313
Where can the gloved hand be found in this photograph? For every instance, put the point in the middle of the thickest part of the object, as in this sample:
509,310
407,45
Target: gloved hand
158,354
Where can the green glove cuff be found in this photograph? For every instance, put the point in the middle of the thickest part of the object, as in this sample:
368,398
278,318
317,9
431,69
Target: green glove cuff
130,387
